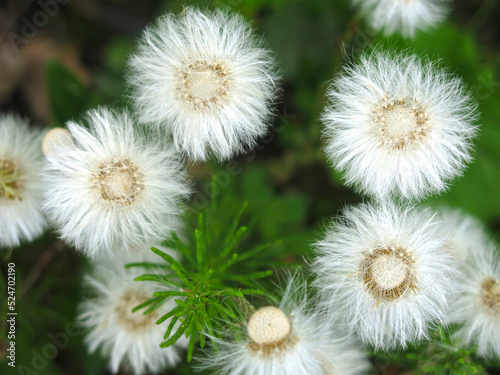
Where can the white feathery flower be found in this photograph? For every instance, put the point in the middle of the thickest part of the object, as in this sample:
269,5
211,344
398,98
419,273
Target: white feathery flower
403,16
289,339
206,79
129,339
21,160
465,233
383,274
111,188
478,306
398,126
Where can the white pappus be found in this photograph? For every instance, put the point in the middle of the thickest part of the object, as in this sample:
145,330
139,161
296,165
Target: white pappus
403,16
288,339
398,126
111,188
128,339
21,160
207,80
383,274
477,307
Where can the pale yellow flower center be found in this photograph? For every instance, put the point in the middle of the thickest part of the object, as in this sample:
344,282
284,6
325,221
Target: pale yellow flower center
490,295
270,332
203,85
400,124
388,273
119,182
10,180
134,321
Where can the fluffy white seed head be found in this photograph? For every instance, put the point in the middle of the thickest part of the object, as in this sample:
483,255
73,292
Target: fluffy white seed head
288,339
21,160
383,274
465,233
128,339
398,126
477,307
112,189
403,16
207,80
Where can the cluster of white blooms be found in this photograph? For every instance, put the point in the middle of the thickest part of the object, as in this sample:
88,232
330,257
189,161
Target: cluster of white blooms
21,159
202,85
288,339
399,129
403,16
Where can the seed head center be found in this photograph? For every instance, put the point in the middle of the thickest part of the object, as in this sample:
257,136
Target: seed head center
133,321
387,273
203,84
268,325
10,180
120,182
401,123
491,295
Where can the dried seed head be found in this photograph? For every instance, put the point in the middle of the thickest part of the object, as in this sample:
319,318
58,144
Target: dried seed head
10,180
270,333
387,273
134,321
490,295
268,326
401,123
120,182
202,85
55,138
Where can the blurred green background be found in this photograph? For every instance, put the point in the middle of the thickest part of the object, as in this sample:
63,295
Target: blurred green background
77,60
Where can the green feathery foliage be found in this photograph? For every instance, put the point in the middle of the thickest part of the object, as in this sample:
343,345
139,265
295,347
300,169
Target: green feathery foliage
210,296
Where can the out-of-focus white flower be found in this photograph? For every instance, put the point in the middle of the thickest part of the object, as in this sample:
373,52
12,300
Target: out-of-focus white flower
398,126
465,234
403,16
21,160
129,339
207,80
478,306
384,275
111,188
289,339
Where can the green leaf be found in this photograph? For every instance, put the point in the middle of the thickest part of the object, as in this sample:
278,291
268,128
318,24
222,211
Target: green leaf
68,96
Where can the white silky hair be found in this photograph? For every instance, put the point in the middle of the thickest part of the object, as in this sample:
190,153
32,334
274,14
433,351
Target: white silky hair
21,219
137,350
480,325
465,233
165,57
430,157
403,16
356,234
79,210
319,350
